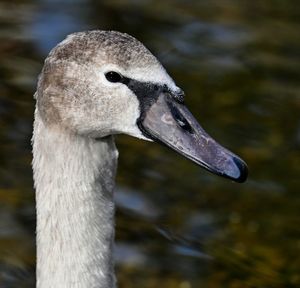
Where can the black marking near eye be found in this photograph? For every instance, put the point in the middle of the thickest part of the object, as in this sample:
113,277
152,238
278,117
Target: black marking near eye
113,77
146,92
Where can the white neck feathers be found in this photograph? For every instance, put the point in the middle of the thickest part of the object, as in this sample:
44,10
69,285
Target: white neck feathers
74,181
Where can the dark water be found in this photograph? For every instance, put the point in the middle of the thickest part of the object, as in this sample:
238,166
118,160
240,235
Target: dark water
177,225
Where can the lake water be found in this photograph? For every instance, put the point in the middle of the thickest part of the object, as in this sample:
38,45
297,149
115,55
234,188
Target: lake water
177,225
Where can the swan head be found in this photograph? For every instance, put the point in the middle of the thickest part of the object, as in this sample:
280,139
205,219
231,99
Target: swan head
100,83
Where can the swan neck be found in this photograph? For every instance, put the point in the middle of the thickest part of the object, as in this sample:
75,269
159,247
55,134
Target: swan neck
74,181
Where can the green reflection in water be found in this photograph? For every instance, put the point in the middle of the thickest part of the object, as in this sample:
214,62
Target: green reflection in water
239,66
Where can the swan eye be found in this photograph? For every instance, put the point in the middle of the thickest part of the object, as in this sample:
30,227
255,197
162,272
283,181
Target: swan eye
113,77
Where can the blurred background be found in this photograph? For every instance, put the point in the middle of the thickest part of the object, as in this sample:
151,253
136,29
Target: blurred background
177,225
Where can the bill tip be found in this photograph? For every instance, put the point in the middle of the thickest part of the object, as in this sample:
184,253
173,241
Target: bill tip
241,172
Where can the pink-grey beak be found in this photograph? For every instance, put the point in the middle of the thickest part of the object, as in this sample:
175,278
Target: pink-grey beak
170,122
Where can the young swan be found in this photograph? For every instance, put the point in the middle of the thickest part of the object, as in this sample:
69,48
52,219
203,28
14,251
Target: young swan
93,85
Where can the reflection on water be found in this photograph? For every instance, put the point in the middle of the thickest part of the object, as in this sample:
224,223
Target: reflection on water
177,225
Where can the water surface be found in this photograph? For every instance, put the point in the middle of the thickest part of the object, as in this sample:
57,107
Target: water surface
177,225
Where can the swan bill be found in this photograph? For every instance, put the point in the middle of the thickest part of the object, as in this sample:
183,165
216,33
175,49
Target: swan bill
168,121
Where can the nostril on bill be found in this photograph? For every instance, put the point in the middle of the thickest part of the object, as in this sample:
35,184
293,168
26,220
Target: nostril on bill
180,119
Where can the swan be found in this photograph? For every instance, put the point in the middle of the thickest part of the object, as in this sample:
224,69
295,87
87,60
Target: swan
94,85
